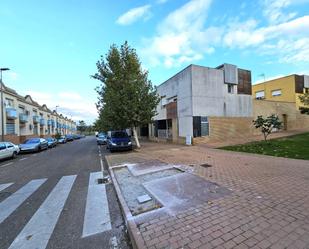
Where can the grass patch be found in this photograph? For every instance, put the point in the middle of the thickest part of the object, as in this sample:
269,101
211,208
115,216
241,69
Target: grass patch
296,146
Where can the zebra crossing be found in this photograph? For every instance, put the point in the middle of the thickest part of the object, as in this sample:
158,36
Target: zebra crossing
38,230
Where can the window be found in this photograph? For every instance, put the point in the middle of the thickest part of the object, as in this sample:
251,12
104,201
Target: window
275,93
200,126
260,95
306,90
2,146
9,102
230,88
10,128
204,126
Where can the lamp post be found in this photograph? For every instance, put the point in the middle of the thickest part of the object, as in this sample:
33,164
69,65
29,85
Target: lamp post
2,116
57,120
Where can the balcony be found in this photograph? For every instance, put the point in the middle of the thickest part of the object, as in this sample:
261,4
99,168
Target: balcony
23,118
42,122
11,113
36,119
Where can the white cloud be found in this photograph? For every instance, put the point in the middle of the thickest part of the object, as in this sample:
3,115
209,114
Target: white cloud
288,41
181,37
274,11
134,14
71,104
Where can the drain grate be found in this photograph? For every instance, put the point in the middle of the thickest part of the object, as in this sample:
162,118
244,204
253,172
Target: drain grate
103,180
206,165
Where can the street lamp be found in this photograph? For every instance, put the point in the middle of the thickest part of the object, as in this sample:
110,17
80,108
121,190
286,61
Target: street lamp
2,116
57,119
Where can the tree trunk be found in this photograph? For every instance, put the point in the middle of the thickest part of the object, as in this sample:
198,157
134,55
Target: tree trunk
136,138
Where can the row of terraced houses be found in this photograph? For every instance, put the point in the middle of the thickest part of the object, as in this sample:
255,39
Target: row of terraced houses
24,118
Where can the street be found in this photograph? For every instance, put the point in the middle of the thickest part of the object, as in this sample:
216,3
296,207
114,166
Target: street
52,199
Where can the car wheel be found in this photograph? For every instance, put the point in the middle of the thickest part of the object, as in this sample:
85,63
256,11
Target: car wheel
14,155
39,149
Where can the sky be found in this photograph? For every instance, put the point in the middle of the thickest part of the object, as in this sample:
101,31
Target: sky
52,46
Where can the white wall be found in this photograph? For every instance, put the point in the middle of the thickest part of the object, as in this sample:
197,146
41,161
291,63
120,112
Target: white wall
211,97
178,86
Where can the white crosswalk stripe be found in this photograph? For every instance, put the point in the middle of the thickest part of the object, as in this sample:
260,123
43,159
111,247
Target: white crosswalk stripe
4,186
15,200
38,230
97,217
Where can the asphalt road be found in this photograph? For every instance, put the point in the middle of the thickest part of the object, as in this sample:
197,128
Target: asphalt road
52,200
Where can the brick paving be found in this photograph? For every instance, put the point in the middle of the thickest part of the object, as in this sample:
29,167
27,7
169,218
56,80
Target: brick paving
268,207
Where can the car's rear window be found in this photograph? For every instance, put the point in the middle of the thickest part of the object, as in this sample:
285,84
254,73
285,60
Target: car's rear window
119,134
32,141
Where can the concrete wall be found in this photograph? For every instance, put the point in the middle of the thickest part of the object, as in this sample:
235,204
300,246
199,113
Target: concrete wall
180,86
211,97
295,120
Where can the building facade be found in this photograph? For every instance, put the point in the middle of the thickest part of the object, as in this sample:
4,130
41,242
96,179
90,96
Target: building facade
281,97
284,89
23,118
203,102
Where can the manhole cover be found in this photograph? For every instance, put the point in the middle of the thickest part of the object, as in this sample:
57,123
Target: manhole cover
206,165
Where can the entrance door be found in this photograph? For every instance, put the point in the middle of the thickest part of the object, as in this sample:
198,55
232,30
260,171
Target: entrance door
285,121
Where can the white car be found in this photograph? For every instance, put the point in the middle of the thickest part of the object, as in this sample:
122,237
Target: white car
8,149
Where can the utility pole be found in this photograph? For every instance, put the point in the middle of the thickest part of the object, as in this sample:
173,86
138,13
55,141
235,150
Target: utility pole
2,115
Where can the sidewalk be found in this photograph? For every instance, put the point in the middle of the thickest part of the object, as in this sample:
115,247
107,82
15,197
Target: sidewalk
268,206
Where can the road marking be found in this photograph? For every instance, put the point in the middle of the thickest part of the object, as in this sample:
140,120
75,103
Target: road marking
7,164
97,218
34,154
4,186
113,242
15,200
38,230
23,158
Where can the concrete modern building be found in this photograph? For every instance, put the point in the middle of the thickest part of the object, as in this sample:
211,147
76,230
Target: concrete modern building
23,118
204,103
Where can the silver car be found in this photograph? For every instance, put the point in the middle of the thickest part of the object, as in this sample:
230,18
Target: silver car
8,150
33,144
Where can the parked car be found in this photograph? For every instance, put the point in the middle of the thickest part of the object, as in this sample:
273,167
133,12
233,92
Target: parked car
8,150
69,137
62,140
34,144
52,142
119,140
76,136
101,139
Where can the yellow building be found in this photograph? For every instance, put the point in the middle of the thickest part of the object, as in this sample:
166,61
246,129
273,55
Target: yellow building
285,89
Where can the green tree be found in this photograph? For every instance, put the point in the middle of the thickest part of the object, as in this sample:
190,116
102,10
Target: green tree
81,127
266,125
126,98
304,98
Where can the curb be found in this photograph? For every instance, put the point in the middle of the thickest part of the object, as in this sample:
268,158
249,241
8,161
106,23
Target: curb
134,234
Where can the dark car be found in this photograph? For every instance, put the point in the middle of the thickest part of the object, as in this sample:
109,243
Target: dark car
119,140
62,140
69,137
101,139
52,142
76,136
33,144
